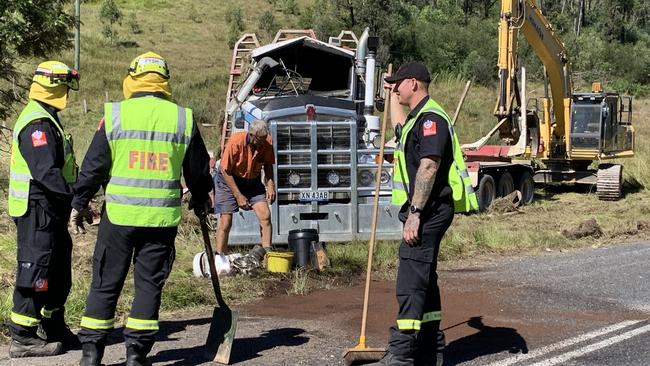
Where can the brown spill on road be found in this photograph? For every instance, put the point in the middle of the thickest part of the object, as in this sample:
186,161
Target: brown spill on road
477,313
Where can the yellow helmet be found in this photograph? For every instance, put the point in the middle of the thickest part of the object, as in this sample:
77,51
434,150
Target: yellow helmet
50,74
149,62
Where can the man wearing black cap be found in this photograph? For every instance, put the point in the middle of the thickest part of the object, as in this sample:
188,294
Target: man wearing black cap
422,162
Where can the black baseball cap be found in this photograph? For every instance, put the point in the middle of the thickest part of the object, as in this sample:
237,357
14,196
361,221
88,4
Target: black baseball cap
408,70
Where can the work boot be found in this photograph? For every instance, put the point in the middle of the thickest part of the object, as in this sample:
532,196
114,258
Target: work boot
390,359
91,354
430,360
136,356
56,330
32,346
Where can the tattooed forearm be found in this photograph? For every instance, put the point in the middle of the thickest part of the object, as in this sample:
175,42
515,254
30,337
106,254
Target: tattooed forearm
424,180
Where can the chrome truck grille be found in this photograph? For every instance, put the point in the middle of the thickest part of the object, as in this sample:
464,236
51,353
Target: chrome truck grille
313,156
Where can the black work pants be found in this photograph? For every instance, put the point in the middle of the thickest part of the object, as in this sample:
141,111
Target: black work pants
152,252
43,274
417,333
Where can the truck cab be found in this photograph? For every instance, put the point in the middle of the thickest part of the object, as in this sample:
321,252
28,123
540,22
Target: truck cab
318,101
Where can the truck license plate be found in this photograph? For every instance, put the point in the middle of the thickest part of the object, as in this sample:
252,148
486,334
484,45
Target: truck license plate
310,196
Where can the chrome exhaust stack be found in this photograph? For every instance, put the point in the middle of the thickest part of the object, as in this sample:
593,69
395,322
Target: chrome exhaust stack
243,92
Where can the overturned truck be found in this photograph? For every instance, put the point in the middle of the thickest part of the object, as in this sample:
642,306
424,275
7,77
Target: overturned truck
318,99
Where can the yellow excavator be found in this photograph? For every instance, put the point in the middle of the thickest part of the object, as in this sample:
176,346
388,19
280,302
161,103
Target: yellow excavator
573,130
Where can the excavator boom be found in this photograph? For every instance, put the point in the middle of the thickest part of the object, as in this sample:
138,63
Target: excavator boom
524,16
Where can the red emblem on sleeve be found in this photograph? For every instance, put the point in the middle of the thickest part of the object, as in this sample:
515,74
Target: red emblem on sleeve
41,285
429,128
38,138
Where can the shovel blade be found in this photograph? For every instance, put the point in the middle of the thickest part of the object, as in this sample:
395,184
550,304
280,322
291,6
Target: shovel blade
221,335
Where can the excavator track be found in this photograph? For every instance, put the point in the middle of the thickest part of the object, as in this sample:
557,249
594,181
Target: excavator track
609,186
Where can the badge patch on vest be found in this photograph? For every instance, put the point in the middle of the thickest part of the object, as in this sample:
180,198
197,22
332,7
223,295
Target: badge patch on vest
38,138
429,128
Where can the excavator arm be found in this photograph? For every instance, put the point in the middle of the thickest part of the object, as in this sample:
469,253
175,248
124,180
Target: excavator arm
525,16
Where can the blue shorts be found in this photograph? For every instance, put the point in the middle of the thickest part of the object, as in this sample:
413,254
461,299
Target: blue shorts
224,200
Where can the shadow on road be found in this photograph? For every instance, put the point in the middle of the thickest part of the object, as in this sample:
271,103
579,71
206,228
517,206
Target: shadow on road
245,349
167,328
190,356
488,340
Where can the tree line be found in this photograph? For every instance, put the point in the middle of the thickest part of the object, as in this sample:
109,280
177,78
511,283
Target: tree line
607,40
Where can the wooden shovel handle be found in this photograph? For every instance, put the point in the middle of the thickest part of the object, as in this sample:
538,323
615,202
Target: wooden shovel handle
210,254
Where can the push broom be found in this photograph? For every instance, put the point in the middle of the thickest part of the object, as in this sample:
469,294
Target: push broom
361,353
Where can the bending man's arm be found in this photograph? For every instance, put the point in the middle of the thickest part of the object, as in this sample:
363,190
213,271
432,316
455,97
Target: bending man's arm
268,183
242,201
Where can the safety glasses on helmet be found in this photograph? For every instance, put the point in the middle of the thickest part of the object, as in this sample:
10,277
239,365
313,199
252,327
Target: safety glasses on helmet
71,78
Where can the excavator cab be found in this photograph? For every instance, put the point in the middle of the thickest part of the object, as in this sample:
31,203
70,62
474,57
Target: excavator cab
586,124
601,125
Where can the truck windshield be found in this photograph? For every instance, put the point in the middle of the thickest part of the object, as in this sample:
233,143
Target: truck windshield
306,67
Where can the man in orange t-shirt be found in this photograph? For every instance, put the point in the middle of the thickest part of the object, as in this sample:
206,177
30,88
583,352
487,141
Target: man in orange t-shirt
238,183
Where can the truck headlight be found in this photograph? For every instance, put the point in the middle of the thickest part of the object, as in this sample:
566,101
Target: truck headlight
384,178
294,178
376,142
366,178
333,178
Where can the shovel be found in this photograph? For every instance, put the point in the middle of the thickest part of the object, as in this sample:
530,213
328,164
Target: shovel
224,320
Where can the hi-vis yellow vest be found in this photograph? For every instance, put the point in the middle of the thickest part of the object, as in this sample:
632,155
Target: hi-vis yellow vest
148,138
461,185
19,175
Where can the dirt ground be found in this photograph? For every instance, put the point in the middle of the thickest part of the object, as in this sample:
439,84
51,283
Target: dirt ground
490,310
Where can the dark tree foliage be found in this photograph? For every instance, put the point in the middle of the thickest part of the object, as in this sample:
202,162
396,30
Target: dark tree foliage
28,28
460,36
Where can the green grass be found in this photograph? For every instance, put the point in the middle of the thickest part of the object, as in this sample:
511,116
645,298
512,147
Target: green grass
199,60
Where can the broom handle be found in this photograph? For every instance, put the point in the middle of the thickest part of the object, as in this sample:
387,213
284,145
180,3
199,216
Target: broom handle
213,268
375,208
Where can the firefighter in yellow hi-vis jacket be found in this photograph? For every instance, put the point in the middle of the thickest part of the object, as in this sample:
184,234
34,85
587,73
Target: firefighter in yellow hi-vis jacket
42,169
140,149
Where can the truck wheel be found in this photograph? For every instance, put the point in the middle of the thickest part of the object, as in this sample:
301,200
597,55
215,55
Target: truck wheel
527,188
486,192
506,185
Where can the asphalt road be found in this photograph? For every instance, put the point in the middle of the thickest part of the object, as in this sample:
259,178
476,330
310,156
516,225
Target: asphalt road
588,307
596,300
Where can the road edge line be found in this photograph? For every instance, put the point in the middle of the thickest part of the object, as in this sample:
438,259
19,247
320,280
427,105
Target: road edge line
565,343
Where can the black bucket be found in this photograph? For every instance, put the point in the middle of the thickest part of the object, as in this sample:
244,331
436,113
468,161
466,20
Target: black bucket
300,244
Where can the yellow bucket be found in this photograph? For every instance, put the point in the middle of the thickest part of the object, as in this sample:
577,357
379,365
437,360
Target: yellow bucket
279,262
